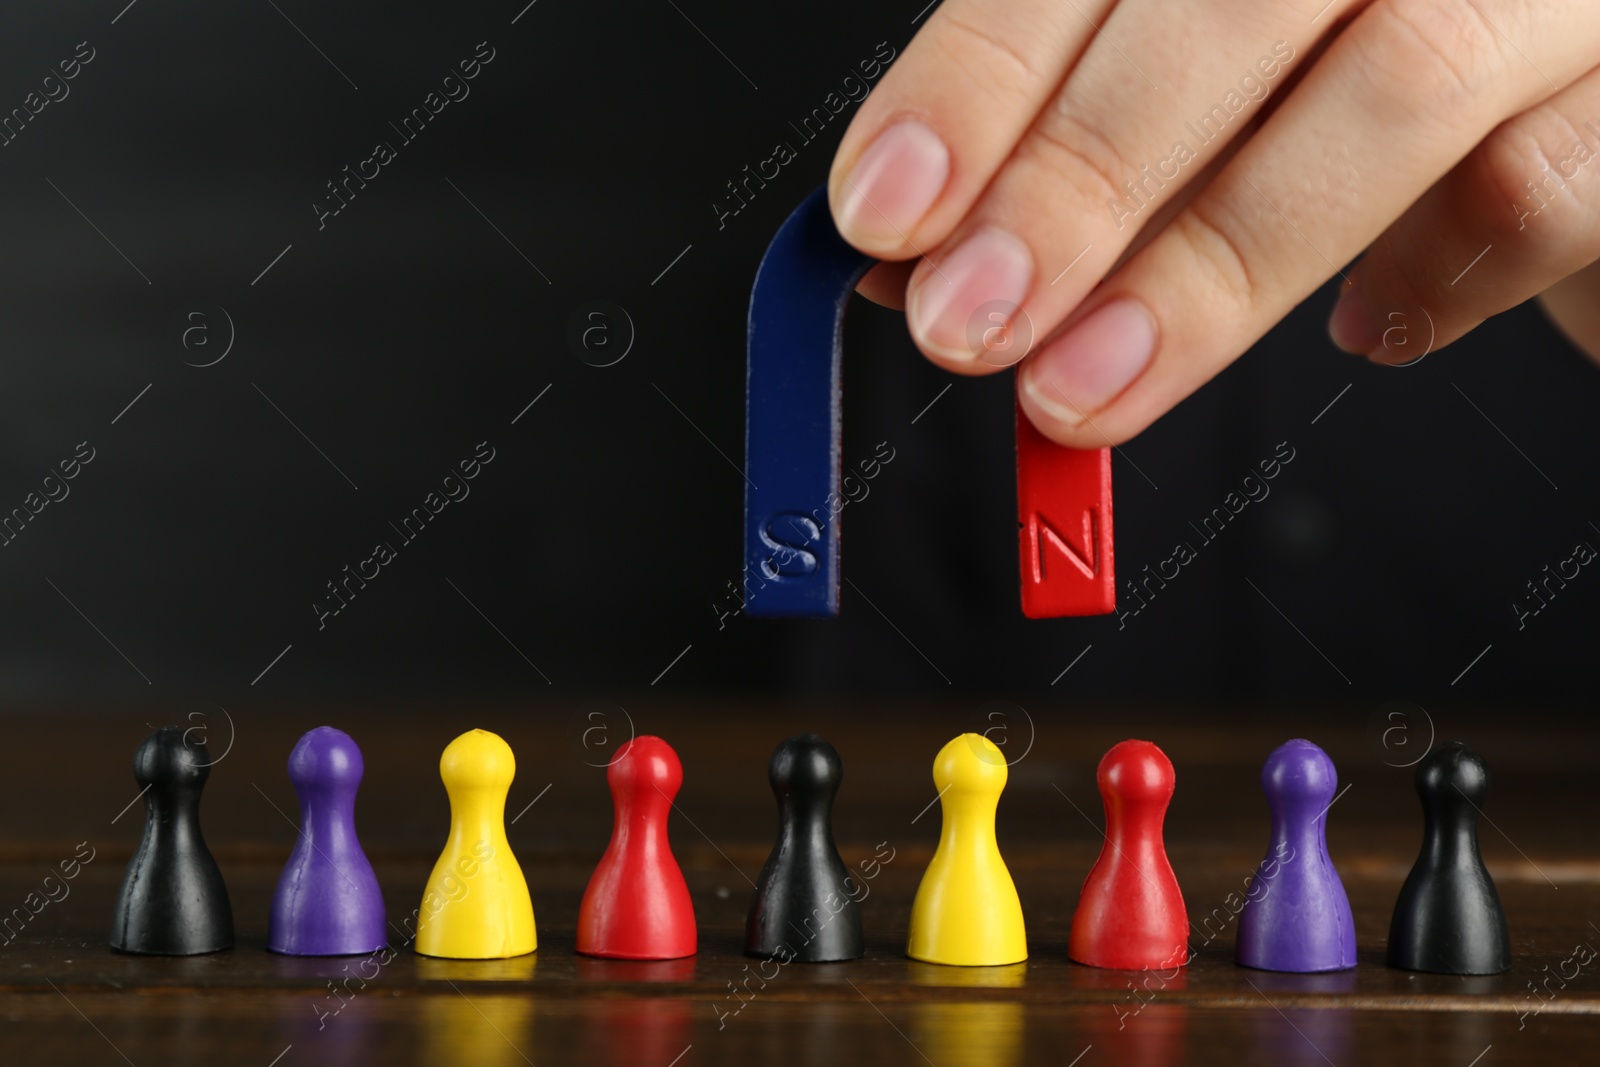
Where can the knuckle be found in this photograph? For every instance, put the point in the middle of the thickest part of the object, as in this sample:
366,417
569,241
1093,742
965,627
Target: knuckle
1532,177
1215,241
1080,153
978,49
1437,54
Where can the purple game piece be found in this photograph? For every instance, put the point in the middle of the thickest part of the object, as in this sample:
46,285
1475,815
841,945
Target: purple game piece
1296,916
328,902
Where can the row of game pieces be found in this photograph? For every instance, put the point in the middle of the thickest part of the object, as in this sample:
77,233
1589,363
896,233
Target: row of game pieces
1130,915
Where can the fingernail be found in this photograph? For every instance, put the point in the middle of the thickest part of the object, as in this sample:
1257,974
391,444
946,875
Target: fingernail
1087,367
892,186
1352,326
992,267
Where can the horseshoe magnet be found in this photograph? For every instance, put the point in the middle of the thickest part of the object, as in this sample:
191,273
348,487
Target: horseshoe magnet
793,429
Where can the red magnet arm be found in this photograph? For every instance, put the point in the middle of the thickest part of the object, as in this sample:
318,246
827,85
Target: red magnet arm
1064,527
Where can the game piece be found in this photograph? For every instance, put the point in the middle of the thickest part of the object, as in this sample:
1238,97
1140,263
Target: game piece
793,451
637,905
327,902
476,905
1448,918
1296,916
1130,915
805,905
967,912
1064,515
172,901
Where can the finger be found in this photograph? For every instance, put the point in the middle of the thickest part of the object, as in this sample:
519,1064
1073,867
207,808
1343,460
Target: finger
1401,97
1110,151
1515,217
1573,304
886,284
930,136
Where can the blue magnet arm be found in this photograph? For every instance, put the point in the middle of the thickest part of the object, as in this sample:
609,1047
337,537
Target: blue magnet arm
792,425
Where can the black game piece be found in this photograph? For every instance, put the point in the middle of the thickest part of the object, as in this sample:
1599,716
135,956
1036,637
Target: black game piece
805,907
1448,919
172,901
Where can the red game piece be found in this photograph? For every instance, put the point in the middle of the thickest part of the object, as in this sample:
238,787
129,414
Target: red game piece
637,906
1130,915
1064,520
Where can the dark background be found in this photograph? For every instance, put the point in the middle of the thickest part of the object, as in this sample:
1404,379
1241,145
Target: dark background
601,539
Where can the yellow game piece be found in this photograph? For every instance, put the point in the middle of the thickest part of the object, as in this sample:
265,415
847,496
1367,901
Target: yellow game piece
967,912
476,906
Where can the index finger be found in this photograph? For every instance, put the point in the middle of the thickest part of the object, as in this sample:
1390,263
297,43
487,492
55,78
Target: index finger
947,115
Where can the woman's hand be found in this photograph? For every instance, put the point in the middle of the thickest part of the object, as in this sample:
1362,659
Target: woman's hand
1131,192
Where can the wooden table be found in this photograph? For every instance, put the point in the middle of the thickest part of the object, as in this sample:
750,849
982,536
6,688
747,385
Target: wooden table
66,999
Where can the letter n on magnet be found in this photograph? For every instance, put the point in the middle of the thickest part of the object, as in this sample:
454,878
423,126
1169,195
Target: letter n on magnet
1064,520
